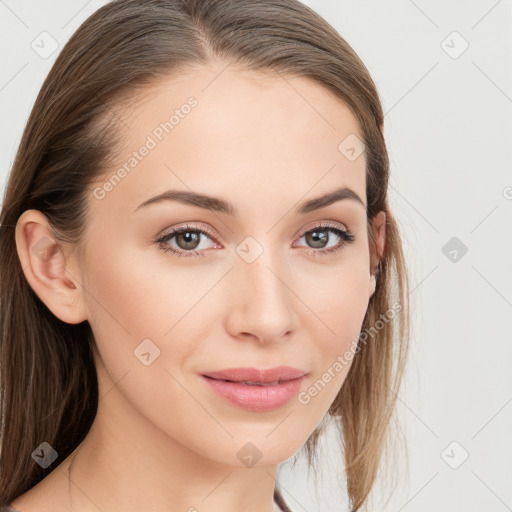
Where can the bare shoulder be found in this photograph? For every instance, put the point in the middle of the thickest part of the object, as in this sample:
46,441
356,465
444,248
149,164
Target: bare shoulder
49,495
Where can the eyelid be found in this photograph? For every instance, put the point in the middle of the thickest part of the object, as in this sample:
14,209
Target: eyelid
211,234
187,225
323,224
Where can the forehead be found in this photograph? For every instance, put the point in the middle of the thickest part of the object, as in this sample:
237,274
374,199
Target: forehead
231,132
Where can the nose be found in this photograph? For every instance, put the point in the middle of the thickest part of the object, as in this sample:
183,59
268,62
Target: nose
263,303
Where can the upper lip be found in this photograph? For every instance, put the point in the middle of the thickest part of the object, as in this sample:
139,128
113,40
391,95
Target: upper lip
278,373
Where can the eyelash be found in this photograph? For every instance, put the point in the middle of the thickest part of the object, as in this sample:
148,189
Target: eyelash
345,235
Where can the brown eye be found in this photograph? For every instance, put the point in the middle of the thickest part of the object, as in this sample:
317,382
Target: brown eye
188,239
318,238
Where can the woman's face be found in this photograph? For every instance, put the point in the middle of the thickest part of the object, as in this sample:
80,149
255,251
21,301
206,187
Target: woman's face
270,284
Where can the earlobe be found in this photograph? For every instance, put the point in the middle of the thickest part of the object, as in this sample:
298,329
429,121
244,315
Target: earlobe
44,264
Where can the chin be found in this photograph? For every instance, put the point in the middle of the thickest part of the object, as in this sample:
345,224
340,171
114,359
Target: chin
259,449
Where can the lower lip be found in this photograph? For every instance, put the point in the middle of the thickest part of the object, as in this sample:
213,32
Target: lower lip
256,398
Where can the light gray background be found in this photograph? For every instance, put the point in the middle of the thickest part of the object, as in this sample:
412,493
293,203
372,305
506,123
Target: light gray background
448,126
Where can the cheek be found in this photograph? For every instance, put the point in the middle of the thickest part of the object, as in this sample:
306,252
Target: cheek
128,292
339,307
138,309
340,303
134,298
121,305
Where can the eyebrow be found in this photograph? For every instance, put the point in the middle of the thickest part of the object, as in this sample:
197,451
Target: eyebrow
220,205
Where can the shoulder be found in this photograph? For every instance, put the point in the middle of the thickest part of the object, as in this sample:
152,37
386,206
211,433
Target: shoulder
48,495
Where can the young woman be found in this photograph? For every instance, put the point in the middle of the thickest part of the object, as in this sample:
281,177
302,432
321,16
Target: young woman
199,266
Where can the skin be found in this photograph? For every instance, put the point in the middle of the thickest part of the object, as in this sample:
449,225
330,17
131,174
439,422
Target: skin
162,440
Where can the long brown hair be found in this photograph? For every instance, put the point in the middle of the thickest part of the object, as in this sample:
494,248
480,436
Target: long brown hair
49,389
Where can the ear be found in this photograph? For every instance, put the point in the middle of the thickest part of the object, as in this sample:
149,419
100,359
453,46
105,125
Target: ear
44,263
379,229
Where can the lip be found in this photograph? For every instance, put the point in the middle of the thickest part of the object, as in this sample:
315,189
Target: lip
257,375
230,385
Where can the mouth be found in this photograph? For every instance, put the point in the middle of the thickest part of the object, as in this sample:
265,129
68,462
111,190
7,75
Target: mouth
258,395
250,383
256,376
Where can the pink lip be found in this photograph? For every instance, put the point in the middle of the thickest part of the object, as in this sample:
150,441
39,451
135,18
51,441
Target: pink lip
256,375
230,385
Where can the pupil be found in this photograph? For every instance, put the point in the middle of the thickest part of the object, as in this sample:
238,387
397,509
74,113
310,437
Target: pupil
319,236
190,238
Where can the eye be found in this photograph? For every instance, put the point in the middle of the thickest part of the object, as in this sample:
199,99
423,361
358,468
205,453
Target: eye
319,238
187,238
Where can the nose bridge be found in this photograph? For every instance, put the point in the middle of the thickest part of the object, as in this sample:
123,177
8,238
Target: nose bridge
264,303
